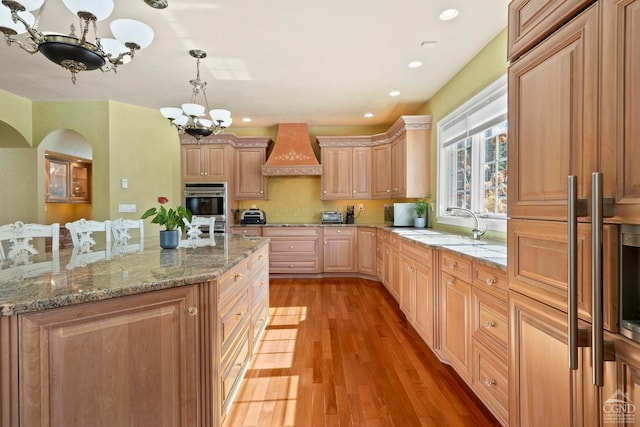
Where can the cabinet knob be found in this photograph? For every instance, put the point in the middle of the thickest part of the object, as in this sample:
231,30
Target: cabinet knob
192,311
450,282
339,231
261,192
490,324
388,190
290,265
291,247
237,277
491,281
325,191
452,265
260,256
354,191
489,382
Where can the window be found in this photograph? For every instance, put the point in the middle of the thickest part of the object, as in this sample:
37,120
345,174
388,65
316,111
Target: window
472,158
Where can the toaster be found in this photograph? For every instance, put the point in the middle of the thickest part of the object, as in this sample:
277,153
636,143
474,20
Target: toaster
253,216
332,217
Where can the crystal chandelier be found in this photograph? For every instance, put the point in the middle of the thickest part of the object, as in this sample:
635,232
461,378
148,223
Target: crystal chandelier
190,119
75,52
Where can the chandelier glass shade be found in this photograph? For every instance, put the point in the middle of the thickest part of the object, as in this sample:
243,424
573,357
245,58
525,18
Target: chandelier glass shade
191,118
75,52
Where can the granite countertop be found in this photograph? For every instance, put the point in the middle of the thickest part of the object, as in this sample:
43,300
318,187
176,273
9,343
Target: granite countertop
489,252
64,278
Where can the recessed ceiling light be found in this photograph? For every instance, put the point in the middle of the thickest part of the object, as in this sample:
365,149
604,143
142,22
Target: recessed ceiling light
368,115
394,93
246,119
429,43
449,14
415,64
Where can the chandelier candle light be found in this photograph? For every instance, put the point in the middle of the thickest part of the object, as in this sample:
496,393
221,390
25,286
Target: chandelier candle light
190,118
74,52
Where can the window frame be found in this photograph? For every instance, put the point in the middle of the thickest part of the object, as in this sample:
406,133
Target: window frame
494,222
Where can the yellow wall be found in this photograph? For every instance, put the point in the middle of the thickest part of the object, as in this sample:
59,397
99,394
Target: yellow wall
15,112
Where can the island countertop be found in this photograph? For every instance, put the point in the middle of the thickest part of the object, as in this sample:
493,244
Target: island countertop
64,278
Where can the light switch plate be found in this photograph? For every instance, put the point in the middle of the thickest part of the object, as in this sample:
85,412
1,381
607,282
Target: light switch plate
124,183
126,208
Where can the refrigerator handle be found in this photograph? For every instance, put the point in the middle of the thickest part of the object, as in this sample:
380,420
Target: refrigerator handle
572,308
597,338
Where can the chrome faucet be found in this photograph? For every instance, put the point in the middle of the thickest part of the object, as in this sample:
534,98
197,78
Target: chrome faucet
476,231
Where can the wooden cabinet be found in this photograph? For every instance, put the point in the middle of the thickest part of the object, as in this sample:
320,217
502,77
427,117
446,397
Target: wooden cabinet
542,389
381,173
346,173
87,364
246,230
456,323
553,120
621,392
339,249
67,180
620,96
248,180
411,159
205,162
531,21
393,267
294,249
366,251
399,166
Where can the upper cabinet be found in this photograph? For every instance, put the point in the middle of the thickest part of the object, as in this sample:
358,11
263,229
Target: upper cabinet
67,180
250,156
391,164
531,21
205,162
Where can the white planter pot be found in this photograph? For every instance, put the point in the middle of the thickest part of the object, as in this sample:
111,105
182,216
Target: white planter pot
419,222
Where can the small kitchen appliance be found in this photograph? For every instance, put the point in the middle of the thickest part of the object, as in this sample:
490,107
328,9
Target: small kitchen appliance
350,216
332,217
253,216
403,214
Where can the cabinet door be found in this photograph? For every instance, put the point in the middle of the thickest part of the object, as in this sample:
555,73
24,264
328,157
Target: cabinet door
80,190
620,151
367,254
191,161
425,303
620,396
216,162
553,120
456,323
381,188
361,170
398,167
531,21
249,182
339,250
123,361
541,385
337,173
57,180
407,277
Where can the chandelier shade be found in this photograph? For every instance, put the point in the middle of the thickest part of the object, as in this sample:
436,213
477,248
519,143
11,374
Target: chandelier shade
191,118
74,52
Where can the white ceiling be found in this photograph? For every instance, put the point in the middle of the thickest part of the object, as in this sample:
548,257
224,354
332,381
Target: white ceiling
321,62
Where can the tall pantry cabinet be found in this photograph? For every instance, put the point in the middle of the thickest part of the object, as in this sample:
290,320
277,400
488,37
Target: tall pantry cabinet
574,86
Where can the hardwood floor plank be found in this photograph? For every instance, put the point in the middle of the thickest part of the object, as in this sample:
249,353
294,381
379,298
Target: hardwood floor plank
338,352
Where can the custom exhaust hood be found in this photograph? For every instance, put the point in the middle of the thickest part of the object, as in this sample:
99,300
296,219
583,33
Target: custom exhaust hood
292,153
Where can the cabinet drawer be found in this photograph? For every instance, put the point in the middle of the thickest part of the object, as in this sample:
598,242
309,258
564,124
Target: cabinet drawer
490,322
310,266
456,265
490,380
420,253
233,280
290,231
490,280
259,259
260,285
233,318
247,230
299,247
231,373
338,231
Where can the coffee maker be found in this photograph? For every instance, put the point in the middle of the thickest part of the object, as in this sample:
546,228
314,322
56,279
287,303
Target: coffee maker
350,216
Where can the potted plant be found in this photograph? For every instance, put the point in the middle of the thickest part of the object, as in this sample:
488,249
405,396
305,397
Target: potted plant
172,221
420,221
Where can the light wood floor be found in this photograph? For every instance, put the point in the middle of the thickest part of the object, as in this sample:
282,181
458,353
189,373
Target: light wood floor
338,352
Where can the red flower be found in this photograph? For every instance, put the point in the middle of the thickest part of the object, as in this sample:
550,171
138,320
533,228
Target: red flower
162,200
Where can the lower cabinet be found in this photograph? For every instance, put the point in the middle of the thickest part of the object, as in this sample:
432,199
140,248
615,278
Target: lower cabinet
88,364
294,249
366,252
339,249
456,323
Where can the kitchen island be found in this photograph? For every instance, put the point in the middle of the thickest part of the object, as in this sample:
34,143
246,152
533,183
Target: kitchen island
152,337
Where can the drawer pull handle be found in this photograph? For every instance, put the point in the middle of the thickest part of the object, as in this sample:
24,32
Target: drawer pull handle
237,277
241,313
261,284
260,256
450,282
491,281
192,311
453,265
490,382
490,324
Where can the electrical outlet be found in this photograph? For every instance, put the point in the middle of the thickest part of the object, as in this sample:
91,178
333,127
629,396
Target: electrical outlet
126,208
360,207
